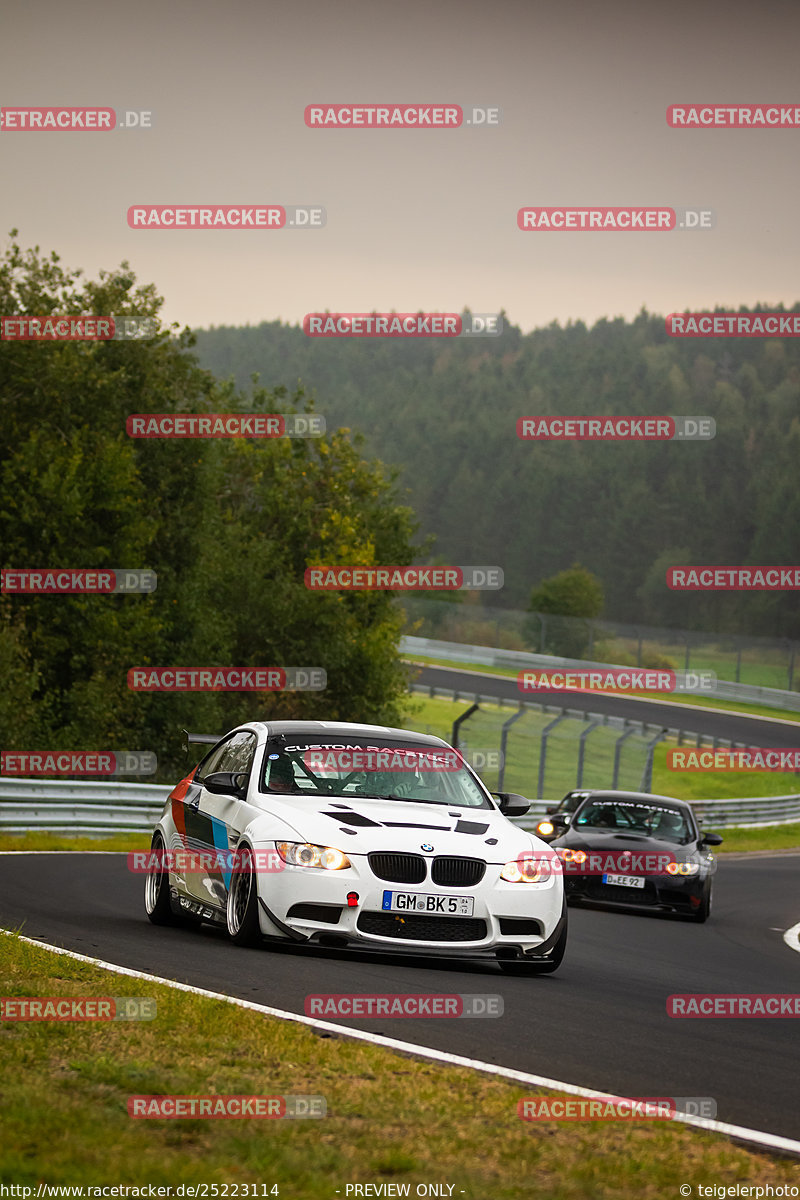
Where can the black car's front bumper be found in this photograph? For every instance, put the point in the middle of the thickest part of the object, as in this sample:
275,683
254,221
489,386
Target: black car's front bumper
679,894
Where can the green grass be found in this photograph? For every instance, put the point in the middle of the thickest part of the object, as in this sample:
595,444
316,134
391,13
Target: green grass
759,667
759,710
771,837
391,1118
58,841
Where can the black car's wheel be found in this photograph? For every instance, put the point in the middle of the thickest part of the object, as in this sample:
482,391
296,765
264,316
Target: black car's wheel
242,907
544,966
156,888
704,911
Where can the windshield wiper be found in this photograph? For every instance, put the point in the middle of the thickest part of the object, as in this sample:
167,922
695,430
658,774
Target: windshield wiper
380,796
409,799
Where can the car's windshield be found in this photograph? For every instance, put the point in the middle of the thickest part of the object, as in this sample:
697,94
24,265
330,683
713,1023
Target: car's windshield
354,766
629,816
571,801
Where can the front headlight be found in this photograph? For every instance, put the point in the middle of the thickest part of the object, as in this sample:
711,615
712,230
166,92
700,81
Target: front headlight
571,856
304,854
529,869
545,828
684,868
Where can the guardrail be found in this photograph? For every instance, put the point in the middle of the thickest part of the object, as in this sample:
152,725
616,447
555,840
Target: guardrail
56,806
490,656
29,805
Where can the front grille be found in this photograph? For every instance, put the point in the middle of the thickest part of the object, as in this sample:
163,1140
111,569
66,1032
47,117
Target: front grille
398,868
458,872
619,894
329,913
422,928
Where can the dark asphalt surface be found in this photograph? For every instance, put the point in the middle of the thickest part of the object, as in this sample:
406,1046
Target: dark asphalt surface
754,731
600,1021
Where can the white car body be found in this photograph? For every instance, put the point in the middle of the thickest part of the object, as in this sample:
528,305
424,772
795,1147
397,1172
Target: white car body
449,852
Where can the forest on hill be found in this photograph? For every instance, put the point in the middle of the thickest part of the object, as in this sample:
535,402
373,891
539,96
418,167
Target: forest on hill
445,410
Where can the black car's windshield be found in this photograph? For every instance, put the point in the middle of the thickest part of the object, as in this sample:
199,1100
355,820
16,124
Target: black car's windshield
629,816
379,768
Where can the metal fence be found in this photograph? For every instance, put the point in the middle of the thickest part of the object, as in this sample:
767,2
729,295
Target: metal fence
743,659
543,751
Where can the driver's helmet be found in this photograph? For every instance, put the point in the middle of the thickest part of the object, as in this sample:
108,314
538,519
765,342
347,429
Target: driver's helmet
387,783
671,824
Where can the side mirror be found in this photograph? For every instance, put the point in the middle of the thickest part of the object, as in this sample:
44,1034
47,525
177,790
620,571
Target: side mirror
225,783
512,804
710,839
559,820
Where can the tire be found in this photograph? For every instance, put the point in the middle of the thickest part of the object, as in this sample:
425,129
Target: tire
545,966
704,911
156,889
241,911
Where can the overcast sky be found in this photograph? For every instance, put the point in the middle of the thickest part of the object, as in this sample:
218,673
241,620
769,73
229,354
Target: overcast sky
416,219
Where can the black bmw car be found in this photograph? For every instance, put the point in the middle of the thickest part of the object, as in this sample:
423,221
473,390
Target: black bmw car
633,848
546,829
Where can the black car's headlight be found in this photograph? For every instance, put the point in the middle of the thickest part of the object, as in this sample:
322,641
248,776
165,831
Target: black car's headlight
682,868
304,854
571,856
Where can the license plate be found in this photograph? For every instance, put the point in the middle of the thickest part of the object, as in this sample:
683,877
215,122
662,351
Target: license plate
625,880
443,906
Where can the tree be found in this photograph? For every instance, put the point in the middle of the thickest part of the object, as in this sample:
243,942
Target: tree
562,608
229,527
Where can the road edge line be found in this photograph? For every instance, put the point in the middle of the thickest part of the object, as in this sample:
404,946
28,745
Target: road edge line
792,937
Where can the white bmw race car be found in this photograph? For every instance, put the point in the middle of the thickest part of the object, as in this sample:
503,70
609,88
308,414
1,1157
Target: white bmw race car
360,835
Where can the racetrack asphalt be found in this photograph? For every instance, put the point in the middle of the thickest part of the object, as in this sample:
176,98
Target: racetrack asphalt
599,1022
712,723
